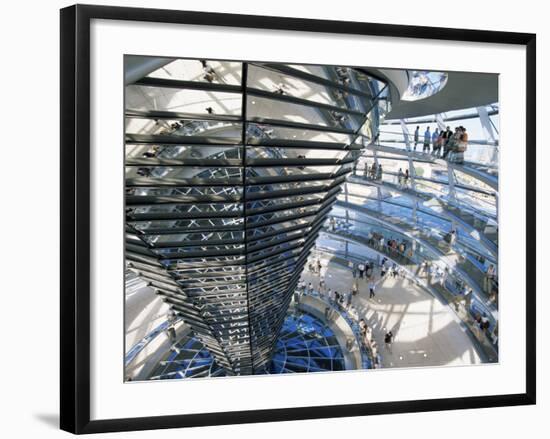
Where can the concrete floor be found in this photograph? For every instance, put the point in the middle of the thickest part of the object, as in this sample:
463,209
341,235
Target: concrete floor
426,332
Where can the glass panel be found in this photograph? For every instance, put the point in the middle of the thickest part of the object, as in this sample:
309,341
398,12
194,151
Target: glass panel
196,102
175,175
279,171
167,153
196,209
264,108
180,129
282,84
210,71
264,132
194,223
294,153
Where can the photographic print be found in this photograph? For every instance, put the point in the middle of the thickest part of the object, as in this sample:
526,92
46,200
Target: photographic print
297,218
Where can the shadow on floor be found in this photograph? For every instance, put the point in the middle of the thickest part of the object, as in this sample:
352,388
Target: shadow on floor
49,419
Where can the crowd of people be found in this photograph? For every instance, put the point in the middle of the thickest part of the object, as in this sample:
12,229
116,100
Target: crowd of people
435,273
443,143
369,273
376,172
394,247
372,273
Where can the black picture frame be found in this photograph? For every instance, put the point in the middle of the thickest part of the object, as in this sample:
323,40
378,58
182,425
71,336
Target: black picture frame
75,217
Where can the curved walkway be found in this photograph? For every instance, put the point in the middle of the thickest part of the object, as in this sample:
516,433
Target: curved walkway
445,287
480,172
471,223
427,332
468,269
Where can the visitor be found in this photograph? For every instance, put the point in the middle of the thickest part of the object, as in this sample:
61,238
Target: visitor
332,223
422,268
322,285
489,278
379,172
372,287
171,333
144,172
363,327
437,150
208,71
390,243
453,144
402,248
368,271
280,88
388,339
462,146
447,134
172,316
444,276
484,322
468,295
435,138
153,152
444,141
374,349
394,270
427,139
431,273
361,268
493,295
400,177
452,238
416,135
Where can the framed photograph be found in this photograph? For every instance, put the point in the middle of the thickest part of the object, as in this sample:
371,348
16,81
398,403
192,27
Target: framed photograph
274,218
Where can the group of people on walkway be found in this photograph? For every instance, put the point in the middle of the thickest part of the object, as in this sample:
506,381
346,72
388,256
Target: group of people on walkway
374,172
372,272
362,270
403,178
368,339
444,143
395,248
